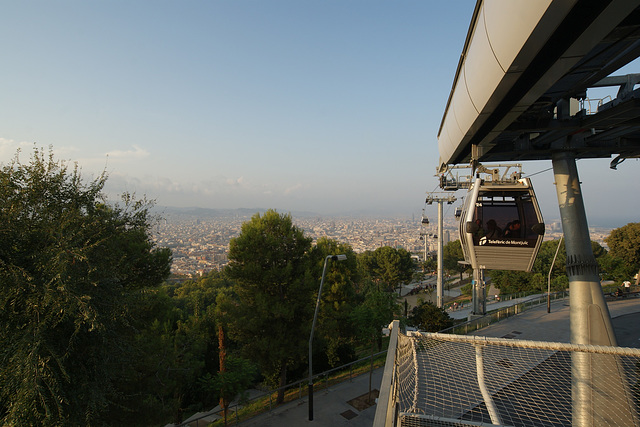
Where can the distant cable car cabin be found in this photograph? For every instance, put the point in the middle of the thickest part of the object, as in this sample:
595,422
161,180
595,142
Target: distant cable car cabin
501,226
425,220
458,212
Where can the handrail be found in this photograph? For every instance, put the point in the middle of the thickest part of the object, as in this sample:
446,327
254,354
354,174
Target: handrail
385,413
494,316
286,387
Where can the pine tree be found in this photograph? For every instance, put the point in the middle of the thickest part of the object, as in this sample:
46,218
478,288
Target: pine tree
268,262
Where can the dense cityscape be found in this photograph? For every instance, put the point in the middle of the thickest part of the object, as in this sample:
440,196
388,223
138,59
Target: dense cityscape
199,238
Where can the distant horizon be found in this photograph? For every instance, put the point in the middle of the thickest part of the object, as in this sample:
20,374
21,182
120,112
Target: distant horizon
193,210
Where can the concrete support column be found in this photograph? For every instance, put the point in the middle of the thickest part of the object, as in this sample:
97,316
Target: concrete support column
439,290
478,293
590,320
593,402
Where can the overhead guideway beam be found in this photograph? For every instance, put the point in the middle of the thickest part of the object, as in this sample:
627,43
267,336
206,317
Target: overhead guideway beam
520,59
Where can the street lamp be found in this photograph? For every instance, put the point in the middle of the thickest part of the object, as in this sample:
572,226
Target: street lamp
549,277
313,325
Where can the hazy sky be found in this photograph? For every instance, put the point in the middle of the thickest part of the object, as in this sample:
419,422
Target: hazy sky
326,106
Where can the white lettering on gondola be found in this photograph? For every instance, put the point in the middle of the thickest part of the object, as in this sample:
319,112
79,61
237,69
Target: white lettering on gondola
485,241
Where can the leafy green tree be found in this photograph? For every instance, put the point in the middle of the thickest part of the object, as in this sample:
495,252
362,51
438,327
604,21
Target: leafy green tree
73,271
152,384
195,297
451,254
429,318
608,267
233,381
176,346
598,250
430,264
171,359
407,265
624,244
543,262
334,333
269,263
511,282
393,266
376,311
615,269
196,347
386,266
366,263
536,281
235,374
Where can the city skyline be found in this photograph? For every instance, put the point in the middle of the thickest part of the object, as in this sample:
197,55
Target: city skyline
331,108
199,239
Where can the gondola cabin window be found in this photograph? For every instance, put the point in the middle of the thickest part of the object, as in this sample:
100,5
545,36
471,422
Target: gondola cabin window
505,220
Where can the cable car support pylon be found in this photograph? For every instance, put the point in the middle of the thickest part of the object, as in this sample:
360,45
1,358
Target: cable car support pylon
439,199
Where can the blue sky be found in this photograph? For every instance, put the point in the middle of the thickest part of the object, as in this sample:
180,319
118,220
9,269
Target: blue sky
324,106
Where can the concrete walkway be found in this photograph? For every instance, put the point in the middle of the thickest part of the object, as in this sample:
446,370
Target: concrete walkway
463,313
331,407
537,325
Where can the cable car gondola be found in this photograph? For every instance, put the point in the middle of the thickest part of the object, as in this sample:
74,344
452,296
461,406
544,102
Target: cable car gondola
425,219
458,212
501,227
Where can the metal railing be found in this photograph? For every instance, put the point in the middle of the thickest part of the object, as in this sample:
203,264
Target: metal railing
492,298
385,414
500,314
321,380
587,384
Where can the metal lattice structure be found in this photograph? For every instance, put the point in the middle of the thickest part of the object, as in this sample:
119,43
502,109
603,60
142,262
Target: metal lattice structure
452,380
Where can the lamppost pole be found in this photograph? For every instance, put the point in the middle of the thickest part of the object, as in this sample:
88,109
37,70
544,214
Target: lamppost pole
313,325
549,277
